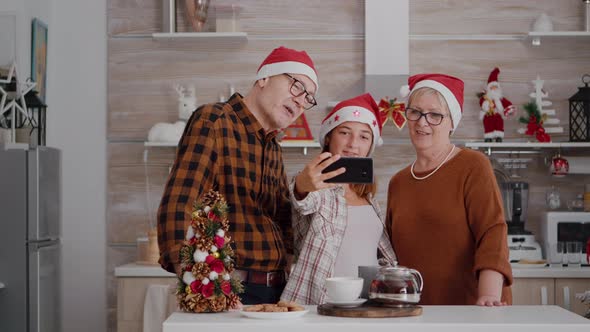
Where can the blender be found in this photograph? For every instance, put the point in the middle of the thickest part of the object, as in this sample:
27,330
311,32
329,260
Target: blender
521,243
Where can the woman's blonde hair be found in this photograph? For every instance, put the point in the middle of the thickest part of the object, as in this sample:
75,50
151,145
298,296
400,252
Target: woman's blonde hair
362,190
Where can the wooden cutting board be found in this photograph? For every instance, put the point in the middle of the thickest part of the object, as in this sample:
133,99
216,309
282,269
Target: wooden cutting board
368,310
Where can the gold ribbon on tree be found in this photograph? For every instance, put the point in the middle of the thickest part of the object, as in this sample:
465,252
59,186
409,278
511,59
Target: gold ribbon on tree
389,109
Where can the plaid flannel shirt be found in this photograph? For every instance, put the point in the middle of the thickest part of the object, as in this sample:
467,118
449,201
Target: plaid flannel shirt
319,223
225,148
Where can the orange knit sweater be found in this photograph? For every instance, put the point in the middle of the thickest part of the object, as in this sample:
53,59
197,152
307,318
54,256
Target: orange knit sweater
449,227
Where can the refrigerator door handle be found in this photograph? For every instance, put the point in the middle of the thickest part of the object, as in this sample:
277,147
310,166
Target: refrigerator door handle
35,246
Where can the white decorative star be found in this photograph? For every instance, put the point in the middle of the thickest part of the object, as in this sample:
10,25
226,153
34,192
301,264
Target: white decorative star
18,103
2,102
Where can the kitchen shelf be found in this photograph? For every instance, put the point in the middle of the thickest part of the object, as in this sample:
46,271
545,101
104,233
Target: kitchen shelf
160,144
536,36
469,37
285,144
300,144
523,147
212,36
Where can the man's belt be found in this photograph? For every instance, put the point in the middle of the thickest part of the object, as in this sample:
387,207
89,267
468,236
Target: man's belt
269,279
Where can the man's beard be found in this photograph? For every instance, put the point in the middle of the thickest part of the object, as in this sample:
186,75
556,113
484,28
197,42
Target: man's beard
494,94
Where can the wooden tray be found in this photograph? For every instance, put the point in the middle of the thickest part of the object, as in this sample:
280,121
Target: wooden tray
368,310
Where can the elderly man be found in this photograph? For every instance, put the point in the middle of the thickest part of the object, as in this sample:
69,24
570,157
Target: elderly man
232,147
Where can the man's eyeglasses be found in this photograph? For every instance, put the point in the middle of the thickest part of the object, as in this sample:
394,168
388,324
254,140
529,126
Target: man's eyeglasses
432,118
297,89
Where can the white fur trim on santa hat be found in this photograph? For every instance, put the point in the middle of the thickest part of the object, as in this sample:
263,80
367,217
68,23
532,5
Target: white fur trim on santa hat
346,114
288,67
452,102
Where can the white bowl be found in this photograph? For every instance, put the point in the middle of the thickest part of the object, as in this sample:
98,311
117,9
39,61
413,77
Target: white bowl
344,289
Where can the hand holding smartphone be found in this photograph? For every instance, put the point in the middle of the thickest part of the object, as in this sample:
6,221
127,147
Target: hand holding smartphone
358,170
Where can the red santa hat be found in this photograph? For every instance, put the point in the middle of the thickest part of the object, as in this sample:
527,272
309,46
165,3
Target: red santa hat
361,109
493,79
284,60
451,88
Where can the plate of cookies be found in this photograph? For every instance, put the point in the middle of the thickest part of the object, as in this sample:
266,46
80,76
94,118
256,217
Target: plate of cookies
280,310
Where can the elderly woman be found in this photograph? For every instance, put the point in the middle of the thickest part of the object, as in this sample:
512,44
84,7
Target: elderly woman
337,227
444,211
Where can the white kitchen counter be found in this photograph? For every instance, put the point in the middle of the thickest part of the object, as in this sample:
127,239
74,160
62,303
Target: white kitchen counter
155,271
433,318
140,270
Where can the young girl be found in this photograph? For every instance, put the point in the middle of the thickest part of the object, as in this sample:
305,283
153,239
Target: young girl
337,227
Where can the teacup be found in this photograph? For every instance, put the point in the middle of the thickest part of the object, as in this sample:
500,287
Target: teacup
344,289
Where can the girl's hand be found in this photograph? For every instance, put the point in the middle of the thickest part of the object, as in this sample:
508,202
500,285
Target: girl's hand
311,177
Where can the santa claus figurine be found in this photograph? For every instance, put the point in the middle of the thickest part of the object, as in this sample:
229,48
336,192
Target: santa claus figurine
494,109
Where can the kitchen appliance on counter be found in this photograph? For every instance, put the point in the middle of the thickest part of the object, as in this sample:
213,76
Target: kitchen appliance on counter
30,205
521,243
396,286
565,227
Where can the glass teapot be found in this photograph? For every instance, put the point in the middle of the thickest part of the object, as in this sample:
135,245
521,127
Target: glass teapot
396,285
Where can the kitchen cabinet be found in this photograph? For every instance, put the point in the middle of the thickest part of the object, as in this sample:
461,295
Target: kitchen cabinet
565,294
133,281
130,300
537,291
549,291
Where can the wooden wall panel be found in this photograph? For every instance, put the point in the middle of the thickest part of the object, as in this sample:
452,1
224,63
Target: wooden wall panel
489,17
560,62
143,71
135,189
257,18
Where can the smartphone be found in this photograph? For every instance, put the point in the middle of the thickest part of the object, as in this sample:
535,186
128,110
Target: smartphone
358,170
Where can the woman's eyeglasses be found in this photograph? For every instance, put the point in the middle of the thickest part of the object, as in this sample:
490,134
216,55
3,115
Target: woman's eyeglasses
297,89
432,118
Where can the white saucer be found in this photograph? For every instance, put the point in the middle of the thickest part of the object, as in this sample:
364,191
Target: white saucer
347,304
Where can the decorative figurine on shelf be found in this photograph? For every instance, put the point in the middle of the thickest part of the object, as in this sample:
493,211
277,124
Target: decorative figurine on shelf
585,298
549,125
494,108
172,132
534,122
391,109
542,23
166,132
206,258
196,13
297,131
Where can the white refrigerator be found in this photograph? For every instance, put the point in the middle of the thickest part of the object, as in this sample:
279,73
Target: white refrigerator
30,205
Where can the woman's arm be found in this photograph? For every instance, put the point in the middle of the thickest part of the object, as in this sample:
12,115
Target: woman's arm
489,289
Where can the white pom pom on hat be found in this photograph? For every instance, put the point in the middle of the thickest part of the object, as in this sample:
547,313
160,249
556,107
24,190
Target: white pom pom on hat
362,109
404,91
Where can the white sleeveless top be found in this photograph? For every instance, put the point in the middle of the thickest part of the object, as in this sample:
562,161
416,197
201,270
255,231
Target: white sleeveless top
360,242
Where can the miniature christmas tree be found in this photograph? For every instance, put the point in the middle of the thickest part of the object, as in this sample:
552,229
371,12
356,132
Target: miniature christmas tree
534,122
206,258
550,122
